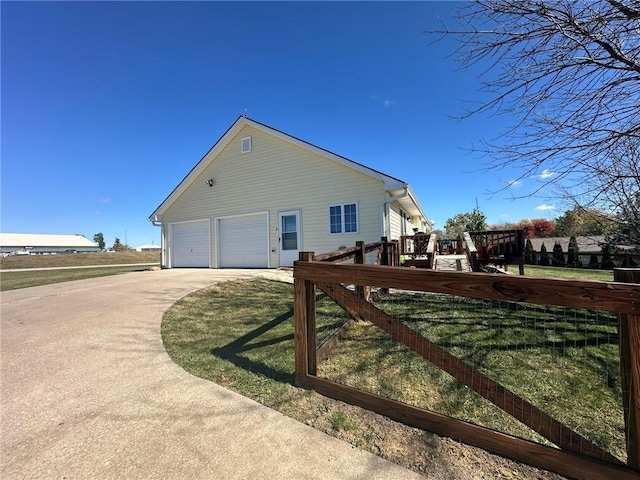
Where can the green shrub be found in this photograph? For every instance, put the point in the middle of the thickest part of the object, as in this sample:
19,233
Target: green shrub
573,254
607,262
529,253
544,257
558,256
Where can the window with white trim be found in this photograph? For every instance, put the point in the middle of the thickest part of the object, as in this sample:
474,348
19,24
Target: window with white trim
343,218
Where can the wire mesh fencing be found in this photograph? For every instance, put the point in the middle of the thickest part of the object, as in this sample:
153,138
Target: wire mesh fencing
562,360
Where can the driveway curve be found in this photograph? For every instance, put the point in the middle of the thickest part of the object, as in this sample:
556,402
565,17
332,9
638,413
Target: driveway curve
88,391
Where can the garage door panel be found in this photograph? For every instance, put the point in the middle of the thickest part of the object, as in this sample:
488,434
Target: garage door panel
190,244
244,242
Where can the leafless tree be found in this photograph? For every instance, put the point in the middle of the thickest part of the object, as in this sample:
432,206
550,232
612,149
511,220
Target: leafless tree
569,73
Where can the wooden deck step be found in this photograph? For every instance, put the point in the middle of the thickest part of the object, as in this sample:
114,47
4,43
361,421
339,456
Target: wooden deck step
452,263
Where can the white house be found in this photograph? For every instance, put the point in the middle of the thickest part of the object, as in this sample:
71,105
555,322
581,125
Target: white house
259,196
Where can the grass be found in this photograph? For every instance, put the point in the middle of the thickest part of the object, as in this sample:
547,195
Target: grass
78,259
562,360
570,273
240,335
31,278
15,280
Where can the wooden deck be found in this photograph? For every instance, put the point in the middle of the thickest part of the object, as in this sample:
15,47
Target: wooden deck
458,263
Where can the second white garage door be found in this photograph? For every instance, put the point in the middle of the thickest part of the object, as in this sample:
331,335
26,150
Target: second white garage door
243,242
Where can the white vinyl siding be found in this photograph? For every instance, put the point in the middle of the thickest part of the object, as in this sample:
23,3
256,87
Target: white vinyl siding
280,176
399,222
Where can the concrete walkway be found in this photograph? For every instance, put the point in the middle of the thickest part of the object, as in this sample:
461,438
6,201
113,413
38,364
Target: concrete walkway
88,391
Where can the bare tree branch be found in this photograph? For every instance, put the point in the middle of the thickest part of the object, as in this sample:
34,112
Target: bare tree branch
568,72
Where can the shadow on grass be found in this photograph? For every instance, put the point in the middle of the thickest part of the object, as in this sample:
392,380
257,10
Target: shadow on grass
232,351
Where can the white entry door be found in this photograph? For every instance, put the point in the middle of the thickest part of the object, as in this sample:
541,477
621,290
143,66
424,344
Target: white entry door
289,238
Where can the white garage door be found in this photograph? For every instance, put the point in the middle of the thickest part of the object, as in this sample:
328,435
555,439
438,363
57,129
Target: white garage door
243,242
190,246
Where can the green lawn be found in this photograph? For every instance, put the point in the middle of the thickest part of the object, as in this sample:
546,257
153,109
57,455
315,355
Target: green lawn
571,273
15,280
78,259
23,279
240,335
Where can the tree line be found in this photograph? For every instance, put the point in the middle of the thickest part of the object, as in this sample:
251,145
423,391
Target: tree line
577,222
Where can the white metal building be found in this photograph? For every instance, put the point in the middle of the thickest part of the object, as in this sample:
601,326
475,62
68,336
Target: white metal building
38,244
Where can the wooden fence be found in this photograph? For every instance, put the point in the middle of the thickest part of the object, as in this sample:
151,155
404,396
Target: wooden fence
576,456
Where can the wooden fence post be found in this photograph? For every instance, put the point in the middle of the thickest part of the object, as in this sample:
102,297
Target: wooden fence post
385,251
629,338
304,306
359,260
386,259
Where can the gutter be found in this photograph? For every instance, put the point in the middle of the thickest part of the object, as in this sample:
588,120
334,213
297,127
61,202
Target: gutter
383,208
155,222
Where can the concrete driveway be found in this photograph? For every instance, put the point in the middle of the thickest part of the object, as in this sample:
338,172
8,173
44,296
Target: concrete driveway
88,391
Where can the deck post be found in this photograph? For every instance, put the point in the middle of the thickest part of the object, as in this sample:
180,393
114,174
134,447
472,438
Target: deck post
395,255
629,338
385,260
359,259
305,324
385,251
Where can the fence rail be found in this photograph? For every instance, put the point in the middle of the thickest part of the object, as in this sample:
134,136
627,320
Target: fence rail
576,456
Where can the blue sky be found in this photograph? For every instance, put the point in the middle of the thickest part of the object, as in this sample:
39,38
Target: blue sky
106,106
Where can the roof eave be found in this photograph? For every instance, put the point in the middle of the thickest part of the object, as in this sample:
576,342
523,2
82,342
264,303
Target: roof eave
390,183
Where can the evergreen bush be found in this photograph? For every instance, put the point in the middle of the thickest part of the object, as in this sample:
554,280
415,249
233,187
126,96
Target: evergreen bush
558,256
573,254
529,253
607,261
544,257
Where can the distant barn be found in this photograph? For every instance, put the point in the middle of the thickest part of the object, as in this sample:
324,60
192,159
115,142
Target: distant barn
42,244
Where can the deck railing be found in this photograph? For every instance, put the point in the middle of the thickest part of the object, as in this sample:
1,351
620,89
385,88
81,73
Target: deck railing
499,247
419,250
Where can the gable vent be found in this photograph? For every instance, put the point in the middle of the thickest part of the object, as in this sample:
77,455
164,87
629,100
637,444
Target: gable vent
246,144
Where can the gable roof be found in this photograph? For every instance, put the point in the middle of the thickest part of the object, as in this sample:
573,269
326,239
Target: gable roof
391,184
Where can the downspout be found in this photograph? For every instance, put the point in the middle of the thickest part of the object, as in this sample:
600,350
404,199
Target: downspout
386,226
158,223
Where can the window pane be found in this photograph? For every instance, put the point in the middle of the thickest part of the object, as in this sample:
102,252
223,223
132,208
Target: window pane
289,224
350,218
335,219
290,241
